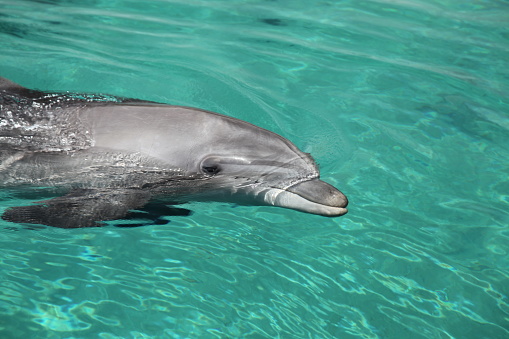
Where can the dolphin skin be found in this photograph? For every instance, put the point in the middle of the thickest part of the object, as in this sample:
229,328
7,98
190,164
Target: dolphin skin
100,157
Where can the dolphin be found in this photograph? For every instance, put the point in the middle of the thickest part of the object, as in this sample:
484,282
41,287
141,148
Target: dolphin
102,157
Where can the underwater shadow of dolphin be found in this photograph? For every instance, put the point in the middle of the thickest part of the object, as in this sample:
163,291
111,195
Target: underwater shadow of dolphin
111,155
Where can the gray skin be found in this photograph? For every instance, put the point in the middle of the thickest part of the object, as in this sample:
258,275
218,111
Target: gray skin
103,156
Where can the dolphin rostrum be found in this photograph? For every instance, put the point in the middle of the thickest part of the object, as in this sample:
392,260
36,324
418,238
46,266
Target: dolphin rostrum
102,156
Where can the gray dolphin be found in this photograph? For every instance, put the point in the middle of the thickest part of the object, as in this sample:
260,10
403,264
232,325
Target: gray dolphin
104,156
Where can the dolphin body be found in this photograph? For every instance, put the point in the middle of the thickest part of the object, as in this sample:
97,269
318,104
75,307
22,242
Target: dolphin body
102,157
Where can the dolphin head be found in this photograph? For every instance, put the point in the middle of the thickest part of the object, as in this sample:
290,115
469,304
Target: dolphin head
250,165
271,171
233,160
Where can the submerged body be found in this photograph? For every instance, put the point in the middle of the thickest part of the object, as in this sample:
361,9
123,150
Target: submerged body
110,155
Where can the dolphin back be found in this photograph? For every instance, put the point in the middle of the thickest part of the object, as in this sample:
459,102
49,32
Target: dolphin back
6,84
33,120
10,90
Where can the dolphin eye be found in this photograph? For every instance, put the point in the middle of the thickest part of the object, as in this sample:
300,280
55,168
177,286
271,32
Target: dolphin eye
210,166
210,169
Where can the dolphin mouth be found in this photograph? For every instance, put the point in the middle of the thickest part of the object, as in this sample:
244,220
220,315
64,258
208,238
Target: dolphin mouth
312,196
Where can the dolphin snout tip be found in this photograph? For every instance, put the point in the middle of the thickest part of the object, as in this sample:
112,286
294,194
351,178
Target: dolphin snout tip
336,198
334,203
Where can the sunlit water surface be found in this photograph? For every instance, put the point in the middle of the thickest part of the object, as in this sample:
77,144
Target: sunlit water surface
403,104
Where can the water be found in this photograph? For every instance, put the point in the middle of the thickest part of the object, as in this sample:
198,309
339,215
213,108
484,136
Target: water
404,105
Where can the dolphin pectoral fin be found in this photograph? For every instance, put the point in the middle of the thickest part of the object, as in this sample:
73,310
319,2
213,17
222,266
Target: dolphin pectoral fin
157,209
153,213
311,196
79,208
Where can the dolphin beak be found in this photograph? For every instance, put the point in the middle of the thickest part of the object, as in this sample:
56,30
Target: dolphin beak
311,196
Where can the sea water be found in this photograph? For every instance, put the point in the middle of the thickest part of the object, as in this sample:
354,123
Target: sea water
402,103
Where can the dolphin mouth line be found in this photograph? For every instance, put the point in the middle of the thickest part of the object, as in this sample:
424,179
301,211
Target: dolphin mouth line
312,196
282,198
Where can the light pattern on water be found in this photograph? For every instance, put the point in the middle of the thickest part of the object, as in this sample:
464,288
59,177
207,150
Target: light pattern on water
404,105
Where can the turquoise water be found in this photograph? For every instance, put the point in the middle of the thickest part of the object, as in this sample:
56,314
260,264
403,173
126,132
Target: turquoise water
402,103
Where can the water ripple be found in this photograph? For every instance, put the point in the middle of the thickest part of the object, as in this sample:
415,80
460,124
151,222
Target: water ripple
402,103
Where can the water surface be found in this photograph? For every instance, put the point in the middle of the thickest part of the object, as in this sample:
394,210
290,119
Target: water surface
402,103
